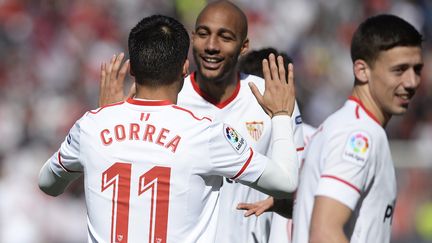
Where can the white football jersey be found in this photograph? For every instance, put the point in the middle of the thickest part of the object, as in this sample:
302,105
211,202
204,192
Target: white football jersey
349,160
243,112
153,170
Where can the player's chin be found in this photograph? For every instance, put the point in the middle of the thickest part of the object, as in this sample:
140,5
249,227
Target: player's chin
211,75
399,110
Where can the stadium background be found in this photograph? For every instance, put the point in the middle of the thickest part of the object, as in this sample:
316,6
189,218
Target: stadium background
50,57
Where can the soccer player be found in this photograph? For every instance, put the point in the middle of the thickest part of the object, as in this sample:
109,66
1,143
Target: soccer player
152,169
347,190
219,89
280,230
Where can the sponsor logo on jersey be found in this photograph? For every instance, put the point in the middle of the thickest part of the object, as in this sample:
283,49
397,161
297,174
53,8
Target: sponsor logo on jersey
388,214
255,129
237,142
357,147
298,120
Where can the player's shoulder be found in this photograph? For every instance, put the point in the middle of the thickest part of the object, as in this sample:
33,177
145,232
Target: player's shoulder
185,113
104,109
247,78
346,124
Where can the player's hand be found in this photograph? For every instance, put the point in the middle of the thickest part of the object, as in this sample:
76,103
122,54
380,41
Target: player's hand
112,79
279,94
257,208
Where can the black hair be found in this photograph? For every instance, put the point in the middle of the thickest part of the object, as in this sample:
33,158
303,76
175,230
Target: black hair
158,48
251,63
381,33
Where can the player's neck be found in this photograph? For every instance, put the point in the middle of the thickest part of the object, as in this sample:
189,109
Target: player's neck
218,91
166,92
362,93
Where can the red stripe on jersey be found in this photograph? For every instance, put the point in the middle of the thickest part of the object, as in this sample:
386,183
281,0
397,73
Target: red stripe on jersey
149,102
105,106
219,105
343,181
357,112
370,114
64,167
244,166
300,149
190,112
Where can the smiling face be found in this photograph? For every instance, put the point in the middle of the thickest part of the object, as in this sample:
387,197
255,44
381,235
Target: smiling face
394,77
218,40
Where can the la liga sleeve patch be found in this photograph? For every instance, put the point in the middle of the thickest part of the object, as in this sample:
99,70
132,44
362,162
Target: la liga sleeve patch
357,147
235,139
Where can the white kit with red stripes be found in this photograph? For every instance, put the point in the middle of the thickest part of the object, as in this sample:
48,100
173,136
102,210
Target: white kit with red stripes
348,159
153,170
243,112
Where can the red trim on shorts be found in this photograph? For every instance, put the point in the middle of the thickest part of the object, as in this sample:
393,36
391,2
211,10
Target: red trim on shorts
64,167
149,102
191,113
300,149
343,181
105,106
244,166
219,105
370,114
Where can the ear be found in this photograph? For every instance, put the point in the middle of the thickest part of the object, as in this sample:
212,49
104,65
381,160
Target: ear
361,70
245,46
185,71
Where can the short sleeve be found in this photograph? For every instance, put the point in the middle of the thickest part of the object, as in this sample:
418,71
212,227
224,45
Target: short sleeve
66,160
232,157
346,164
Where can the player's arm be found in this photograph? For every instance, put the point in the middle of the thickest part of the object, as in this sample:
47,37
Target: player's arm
280,175
343,176
328,219
63,167
112,77
283,207
52,184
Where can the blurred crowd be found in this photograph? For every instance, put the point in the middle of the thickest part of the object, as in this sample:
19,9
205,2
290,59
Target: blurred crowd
49,76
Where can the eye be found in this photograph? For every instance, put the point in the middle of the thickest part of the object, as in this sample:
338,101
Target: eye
202,33
399,70
418,69
227,37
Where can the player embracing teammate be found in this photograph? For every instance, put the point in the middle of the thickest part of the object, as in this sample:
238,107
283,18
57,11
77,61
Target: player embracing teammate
347,181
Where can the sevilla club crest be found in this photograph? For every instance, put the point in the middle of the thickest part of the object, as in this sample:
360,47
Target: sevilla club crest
255,129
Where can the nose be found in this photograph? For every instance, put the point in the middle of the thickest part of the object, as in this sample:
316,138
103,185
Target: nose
212,45
412,79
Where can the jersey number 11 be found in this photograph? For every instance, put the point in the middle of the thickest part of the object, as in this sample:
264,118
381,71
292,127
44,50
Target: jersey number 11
157,179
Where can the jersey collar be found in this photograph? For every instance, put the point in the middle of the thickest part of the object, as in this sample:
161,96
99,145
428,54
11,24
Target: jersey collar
369,113
143,102
219,105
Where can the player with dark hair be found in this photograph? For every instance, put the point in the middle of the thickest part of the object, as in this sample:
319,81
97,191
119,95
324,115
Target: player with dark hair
218,88
158,48
347,190
280,229
152,169
251,62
